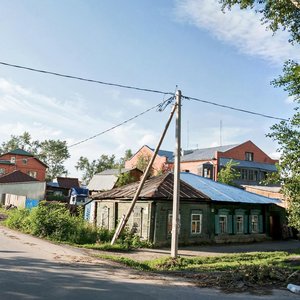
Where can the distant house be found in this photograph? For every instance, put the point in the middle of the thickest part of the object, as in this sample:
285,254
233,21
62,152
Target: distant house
251,162
163,162
20,189
209,211
108,179
61,189
21,160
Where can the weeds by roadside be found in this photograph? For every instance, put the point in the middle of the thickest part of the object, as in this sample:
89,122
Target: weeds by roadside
54,222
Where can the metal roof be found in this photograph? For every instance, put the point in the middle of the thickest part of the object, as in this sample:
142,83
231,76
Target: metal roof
158,187
168,154
114,171
67,182
102,182
222,192
206,153
249,164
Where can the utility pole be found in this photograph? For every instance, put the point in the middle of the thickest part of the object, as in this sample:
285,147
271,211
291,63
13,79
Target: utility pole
125,218
176,190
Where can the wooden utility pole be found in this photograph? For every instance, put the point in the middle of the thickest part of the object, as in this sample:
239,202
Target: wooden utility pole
125,218
176,190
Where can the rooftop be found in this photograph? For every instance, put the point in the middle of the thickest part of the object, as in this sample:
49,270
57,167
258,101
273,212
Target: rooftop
16,176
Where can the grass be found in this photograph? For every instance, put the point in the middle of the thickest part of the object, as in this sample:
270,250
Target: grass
211,263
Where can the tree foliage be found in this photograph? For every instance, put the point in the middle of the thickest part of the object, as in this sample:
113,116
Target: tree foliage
52,152
90,168
284,15
229,174
277,14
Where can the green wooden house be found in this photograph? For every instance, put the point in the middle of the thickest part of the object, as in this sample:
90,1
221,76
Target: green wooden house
209,211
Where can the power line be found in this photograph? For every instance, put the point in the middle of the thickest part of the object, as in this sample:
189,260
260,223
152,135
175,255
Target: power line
158,106
140,89
234,108
86,79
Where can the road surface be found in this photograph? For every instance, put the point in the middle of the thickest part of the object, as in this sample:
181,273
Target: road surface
31,268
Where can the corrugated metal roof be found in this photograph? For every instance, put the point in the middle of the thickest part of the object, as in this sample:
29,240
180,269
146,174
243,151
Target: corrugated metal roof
19,151
113,171
206,153
168,154
100,182
249,164
221,192
159,187
6,162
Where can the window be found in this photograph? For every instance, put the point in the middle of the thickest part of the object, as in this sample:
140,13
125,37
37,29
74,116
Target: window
24,161
196,223
2,171
239,224
249,156
254,223
137,221
223,223
104,221
13,160
169,225
32,173
250,175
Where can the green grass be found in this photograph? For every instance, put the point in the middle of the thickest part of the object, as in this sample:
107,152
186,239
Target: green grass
211,263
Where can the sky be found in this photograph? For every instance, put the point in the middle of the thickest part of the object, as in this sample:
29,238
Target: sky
228,59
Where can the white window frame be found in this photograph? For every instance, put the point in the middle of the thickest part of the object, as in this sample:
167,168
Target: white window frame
241,227
224,225
197,228
254,224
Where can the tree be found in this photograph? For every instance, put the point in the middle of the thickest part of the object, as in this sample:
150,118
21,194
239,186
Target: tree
128,154
95,166
278,15
228,174
52,152
142,162
23,141
284,15
124,178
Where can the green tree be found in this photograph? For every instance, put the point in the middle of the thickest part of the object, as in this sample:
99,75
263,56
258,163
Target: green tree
23,141
229,174
54,153
284,15
277,14
143,162
90,168
124,178
127,155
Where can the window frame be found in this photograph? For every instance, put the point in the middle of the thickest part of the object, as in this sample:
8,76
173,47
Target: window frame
254,224
225,224
249,156
199,222
241,223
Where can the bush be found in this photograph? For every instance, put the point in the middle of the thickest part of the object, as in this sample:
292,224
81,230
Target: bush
53,220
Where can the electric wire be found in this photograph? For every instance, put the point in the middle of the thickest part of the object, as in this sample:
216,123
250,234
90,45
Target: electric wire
141,89
158,106
234,108
85,79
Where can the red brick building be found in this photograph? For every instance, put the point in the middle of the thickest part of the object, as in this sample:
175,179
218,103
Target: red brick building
163,162
21,160
252,163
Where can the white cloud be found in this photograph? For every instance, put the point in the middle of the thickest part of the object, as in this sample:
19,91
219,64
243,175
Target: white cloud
74,120
240,28
290,100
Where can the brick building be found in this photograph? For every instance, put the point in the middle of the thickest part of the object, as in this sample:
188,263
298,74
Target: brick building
163,161
252,163
21,160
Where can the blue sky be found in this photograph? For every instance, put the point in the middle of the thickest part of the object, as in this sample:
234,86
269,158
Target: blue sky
225,58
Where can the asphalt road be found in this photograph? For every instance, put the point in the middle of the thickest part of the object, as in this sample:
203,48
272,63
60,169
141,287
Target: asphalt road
31,268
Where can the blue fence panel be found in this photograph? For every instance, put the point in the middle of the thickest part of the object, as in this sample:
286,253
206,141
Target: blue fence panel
30,203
